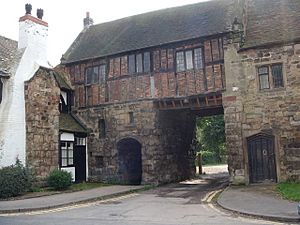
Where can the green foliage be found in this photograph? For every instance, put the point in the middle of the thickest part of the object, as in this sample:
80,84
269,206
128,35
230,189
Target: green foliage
59,179
290,191
14,180
210,135
86,186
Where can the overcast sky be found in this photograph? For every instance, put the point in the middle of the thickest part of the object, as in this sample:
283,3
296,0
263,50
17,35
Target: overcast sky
65,17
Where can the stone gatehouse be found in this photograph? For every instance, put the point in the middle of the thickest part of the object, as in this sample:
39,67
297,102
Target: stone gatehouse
140,82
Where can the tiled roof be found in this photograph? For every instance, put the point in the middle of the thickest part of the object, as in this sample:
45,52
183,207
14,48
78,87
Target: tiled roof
271,21
153,29
60,79
67,122
8,52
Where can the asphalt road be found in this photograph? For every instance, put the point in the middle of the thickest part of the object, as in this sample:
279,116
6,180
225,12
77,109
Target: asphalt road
187,203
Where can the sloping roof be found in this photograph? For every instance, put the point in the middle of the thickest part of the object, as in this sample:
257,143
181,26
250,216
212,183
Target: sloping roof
153,29
68,123
62,83
8,51
271,21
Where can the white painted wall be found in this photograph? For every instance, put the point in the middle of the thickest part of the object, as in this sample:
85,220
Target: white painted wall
12,108
71,170
67,137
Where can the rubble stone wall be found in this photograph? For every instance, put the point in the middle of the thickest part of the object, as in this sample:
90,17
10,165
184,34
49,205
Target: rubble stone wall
165,137
42,123
249,110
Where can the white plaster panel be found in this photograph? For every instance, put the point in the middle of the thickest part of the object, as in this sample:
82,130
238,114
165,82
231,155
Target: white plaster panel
71,170
67,137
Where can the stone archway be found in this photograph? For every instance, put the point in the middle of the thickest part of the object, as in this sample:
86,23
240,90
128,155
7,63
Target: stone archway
130,161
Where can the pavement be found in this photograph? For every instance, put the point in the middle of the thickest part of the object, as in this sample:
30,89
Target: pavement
260,201
65,199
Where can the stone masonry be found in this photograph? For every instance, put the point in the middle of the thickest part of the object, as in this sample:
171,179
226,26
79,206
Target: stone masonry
249,110
165,137
42,122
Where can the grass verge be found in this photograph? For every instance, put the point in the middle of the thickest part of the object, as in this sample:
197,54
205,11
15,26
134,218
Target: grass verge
289,190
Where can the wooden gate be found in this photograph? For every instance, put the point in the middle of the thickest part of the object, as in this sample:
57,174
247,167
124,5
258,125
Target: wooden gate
261,155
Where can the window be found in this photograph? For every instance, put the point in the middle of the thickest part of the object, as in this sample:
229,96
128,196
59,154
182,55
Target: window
1,90
131,118
80,141
102,128
95,74
263,73
189,59
139,63
180,61
66,148
270,76
277,76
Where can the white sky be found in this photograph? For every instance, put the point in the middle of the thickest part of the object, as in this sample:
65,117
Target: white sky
65,17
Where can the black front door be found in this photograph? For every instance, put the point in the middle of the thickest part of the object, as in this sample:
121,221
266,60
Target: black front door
80,163
262,165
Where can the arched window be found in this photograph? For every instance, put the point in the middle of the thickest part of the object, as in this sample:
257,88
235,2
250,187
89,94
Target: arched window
1,90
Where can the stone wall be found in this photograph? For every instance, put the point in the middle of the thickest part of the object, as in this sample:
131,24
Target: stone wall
165,137
42,122
249,110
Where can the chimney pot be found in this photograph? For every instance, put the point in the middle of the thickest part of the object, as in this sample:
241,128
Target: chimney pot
40,13
28,8
88,14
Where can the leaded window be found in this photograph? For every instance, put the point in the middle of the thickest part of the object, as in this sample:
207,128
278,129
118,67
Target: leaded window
180,61
189,59
270,76
263,74
277,75
95,74
139,63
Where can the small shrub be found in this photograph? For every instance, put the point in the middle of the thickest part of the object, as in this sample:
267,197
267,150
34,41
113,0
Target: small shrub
14,180
59,179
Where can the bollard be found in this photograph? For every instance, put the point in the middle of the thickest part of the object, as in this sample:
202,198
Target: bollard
299,209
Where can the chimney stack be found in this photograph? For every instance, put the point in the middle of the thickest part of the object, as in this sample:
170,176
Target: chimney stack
87,21
33,33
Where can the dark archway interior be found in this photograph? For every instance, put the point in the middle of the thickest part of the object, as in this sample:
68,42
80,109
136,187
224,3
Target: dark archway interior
130,161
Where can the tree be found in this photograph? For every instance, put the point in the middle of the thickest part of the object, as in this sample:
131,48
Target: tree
210,134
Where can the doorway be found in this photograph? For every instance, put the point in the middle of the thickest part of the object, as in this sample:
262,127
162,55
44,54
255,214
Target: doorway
130,161
262,166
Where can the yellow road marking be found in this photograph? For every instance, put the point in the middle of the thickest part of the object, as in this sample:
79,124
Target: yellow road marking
64,208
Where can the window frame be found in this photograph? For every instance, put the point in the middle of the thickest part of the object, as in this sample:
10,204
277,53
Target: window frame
270,75
192,65
133,69
96,78
67,157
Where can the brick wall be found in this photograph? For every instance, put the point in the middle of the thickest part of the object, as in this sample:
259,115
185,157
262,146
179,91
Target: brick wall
163,80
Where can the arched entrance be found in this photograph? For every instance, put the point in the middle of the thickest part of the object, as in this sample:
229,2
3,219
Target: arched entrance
130,161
